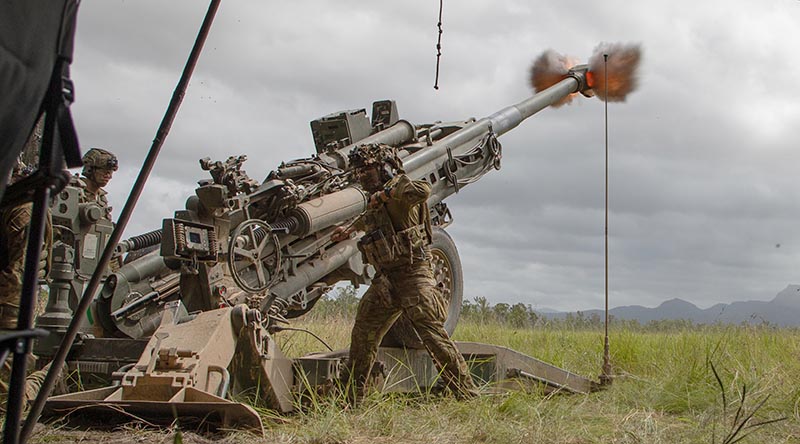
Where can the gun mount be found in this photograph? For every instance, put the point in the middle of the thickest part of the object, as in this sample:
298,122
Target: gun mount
244,256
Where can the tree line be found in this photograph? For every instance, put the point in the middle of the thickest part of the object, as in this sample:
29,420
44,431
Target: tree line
343,302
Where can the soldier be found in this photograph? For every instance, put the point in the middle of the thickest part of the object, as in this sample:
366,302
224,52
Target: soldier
98,168
398,235
13,241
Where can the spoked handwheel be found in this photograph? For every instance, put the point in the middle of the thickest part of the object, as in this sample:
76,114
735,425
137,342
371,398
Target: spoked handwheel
254,255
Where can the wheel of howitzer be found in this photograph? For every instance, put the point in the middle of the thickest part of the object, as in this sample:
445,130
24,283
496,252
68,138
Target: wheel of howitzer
450,281
250,266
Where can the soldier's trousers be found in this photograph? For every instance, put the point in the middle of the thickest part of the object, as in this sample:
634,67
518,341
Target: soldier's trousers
409,290
33,383
15,222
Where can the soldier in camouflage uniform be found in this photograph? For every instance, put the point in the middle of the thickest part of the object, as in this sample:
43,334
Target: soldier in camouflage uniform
13,241
398,234
98,168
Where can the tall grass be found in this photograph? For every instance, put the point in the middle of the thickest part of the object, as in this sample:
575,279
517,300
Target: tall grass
665,390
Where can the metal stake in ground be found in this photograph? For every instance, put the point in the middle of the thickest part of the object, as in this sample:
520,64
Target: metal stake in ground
605,376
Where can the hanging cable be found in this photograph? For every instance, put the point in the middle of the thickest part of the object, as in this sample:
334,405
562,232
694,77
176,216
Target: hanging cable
438,46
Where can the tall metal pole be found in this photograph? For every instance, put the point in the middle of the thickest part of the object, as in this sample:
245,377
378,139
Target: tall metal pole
163,129
605,377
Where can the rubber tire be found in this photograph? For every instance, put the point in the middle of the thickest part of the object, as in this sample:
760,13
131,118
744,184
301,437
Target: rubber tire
444,251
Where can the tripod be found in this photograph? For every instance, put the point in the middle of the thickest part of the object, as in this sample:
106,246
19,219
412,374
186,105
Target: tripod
59,148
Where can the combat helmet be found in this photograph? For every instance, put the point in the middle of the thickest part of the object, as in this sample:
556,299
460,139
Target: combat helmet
369,155
99,158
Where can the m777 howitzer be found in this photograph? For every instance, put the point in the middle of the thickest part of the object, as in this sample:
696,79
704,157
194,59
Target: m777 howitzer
245,257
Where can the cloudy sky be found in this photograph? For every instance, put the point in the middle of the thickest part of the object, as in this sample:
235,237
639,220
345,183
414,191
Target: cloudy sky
704,200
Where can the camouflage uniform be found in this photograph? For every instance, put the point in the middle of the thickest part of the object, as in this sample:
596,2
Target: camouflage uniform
396,243
13,241
14,237
100,197
95,160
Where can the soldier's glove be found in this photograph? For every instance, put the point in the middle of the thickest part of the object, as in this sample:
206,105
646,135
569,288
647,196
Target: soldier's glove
116,263
340,233
44,265
380,197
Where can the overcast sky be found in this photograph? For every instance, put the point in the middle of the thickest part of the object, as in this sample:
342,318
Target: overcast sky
704,200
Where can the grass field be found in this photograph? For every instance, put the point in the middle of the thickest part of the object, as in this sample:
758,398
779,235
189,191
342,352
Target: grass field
675,384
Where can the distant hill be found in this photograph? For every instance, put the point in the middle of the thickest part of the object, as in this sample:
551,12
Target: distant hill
783,310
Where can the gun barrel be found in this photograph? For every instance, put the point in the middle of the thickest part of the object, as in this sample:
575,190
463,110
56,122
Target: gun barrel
508,118
333,208
500,122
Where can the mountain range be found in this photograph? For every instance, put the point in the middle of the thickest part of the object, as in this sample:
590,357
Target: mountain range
783,310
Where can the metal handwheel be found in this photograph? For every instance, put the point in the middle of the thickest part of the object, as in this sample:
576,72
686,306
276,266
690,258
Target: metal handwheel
252,266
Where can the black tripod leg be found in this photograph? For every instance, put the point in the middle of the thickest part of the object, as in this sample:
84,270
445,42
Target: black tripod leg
16,389
51,162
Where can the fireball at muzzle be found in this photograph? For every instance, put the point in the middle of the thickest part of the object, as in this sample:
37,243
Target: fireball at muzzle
620,70
550,68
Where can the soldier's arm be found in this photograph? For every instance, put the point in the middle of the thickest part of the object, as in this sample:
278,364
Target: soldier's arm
343,232
16,225
410,191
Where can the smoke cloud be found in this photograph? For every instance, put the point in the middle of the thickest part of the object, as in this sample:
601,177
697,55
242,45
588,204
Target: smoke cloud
623,61
548,69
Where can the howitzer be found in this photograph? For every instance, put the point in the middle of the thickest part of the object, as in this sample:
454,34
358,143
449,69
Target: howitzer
278,246
244,256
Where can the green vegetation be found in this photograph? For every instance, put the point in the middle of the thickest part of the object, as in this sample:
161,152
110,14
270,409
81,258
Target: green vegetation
665,391
676,383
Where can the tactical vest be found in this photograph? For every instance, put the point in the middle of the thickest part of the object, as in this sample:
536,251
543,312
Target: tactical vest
386,247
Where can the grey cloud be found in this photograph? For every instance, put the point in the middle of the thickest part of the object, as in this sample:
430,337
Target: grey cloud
702,155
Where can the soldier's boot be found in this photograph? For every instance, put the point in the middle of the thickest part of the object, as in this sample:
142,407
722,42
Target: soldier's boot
33,383
460,389
465,388
467,392
357,386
